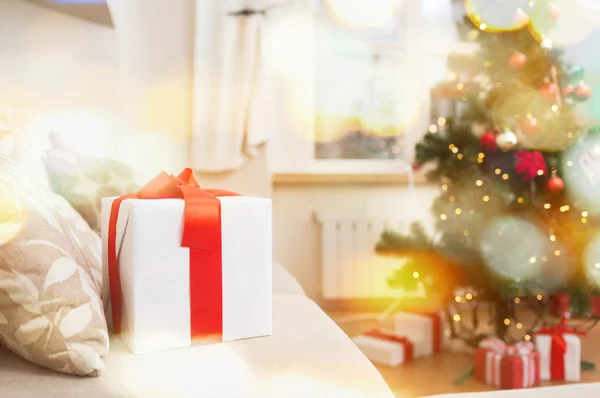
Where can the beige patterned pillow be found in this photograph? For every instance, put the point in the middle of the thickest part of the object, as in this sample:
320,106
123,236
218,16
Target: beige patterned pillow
85,180
50,279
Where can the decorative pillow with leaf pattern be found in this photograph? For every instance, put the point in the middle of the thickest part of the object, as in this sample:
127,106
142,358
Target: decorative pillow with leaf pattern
85,180
50,279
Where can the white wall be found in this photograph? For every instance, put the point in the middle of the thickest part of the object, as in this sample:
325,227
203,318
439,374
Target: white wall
62,66
122,92
296,233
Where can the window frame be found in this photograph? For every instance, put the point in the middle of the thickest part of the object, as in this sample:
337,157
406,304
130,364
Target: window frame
294,154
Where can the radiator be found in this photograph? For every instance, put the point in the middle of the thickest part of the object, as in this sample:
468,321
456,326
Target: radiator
350,267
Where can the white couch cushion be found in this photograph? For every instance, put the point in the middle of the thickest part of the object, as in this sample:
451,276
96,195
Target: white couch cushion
284,282
564,391
307,356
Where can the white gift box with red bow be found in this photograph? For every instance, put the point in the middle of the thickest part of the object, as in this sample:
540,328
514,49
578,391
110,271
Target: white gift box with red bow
385,348
560,352
426,331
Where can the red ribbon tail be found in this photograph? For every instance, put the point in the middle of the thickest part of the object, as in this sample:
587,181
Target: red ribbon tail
202,234
557,357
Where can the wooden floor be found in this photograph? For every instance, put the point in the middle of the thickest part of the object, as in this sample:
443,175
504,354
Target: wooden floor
435,375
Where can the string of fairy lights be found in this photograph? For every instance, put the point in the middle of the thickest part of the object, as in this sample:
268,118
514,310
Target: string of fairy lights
468,296
506,140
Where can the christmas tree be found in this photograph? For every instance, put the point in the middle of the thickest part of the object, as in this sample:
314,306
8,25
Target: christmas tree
515,217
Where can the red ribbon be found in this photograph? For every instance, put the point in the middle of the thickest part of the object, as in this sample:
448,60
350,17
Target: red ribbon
558,347
201,233
498,346
408,346
436,330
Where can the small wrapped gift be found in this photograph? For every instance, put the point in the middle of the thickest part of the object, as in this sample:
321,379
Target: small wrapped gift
560,304
384,347
507,366
187,265
426,331
560,352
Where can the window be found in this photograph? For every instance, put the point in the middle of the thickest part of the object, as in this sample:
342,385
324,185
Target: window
366,86
358,85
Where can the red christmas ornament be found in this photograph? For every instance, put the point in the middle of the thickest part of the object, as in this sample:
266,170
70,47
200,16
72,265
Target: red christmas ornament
568,90
530,126
549,90
583,91
530,164
488,141
417,166
555,185
517,60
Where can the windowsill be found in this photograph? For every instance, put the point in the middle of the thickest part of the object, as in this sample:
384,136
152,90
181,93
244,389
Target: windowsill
360,179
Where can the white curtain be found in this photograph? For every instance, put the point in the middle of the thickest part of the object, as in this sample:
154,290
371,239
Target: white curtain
232,102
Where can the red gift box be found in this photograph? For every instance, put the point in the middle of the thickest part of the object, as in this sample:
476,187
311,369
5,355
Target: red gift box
560,305
507,366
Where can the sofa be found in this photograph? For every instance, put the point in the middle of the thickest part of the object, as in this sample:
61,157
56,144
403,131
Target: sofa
565,391
307,356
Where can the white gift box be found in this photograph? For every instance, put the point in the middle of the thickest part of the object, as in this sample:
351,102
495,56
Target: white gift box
382,351
155,271
571,360
427,332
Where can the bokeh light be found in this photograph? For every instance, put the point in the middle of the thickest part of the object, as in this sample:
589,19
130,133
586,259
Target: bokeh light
581,165
556,271
289,53
592,261
497,15
563,22
520,100
288,43
12,209
300,385
362,14
11,214
513,248
517,106
205,370
373,102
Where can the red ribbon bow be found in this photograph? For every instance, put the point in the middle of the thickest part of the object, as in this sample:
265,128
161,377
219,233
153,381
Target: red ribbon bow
557,332
201,233
530,164
498,346
558,346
